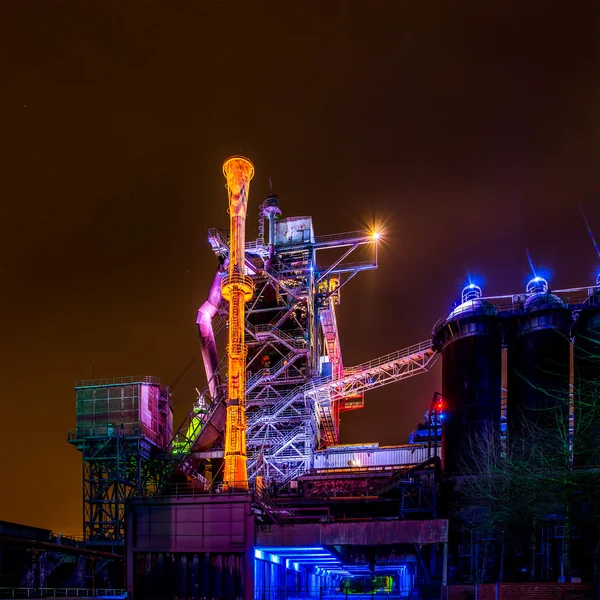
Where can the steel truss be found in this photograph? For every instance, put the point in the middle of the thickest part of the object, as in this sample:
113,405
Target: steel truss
379,372
290,329
115,468
296,383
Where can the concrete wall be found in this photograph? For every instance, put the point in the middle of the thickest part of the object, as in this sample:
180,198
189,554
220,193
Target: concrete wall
371,533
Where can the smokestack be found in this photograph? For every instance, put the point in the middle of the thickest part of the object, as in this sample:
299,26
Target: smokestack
237,289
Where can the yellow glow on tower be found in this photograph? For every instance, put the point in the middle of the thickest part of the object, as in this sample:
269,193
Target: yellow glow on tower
237,289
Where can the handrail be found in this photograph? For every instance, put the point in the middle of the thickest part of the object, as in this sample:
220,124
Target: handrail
284,337
393,357
361,265
117,381
221,236
190,490
334,237
69,592
270,372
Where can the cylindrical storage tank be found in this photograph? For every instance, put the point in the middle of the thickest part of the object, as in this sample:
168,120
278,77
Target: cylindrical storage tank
539,368
586,383
470,339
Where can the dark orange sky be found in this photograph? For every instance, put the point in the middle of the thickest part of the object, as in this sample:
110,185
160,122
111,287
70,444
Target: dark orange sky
472,128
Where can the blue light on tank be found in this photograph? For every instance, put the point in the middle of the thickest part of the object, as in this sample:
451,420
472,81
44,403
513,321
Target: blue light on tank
474,281
536,285
471,292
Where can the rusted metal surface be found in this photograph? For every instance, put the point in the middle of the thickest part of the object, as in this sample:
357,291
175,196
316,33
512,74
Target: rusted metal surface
370,533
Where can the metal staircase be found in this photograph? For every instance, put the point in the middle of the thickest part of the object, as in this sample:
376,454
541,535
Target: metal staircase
266,375
267,505
327,422
265,332
332,339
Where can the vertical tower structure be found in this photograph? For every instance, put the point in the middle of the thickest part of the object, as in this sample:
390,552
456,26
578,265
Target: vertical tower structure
236,289
539,365
284,370
122,425
471,343
292,339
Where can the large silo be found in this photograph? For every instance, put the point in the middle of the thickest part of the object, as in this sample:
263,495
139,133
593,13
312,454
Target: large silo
539,368
470,339
586,380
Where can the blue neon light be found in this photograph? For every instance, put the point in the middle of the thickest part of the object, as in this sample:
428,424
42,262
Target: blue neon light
317,559
280,549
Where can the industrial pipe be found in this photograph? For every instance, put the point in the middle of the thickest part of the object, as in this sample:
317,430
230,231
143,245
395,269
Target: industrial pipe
237,289
206,314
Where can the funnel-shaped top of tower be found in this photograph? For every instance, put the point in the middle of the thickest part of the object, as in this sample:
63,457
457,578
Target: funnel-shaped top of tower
238,171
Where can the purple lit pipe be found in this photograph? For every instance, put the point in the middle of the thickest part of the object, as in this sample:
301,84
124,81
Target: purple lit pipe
206,314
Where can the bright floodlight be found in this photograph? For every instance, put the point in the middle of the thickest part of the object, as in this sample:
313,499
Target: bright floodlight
375,235
537,285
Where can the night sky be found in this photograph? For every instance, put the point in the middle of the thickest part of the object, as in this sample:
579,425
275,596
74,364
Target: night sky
471,130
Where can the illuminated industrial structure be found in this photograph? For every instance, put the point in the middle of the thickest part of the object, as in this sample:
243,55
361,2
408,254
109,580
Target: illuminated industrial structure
297,385
271,412
122,426
237,289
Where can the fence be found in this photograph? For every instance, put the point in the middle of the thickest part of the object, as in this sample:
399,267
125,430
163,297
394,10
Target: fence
25,592
315,593
519,591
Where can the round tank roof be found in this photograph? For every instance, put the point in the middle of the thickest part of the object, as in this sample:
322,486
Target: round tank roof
471,304
472,307
542,300
540,297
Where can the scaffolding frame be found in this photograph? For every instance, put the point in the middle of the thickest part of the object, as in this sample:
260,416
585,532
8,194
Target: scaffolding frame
285,426
118,462
294,405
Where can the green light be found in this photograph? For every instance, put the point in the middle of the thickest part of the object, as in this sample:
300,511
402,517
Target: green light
191,434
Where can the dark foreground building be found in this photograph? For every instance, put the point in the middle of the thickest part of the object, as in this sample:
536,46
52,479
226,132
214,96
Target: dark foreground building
347,532
35,562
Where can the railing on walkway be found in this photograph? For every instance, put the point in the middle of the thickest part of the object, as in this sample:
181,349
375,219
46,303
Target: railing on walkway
393,357
196,490
29,592
118,381
327,594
